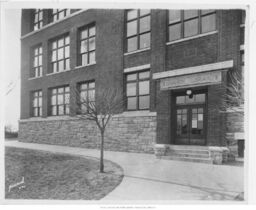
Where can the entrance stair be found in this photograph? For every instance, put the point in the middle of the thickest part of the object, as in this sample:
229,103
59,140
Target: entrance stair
188,153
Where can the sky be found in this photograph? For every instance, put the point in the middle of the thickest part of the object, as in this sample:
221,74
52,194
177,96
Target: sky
11,65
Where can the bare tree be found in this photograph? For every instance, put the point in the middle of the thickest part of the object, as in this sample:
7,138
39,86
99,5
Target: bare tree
234,96
108,102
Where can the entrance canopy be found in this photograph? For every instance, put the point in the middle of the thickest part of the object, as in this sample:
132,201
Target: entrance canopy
193,76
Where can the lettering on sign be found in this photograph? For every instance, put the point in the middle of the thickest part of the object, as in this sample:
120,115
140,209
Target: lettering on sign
191,80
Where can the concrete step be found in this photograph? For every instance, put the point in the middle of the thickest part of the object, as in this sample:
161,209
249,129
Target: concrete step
188,155
189,159
191,147
187,151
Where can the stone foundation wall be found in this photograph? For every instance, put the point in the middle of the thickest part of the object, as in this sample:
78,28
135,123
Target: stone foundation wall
124,133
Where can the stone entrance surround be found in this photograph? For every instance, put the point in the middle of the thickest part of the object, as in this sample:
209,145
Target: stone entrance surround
129,132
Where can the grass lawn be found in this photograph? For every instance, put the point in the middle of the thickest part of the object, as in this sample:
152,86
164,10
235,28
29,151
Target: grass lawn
58,176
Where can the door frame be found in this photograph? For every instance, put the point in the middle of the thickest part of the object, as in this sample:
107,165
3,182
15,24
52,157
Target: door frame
174,108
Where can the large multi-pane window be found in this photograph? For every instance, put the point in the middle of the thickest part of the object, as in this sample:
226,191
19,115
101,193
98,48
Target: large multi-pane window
36,103
187,23
137,90
38,19
87,47
60,54
87,96
59,101
137,29
37,62
58,14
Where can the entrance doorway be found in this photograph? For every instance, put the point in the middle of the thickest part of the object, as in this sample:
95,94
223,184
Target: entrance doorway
190,119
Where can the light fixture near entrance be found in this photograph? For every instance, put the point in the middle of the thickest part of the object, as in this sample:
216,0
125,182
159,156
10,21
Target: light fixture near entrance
189,93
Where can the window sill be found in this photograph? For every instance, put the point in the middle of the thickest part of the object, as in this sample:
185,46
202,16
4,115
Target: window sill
192,37
137,51
49,74
79,67
137,113
32,78
48,118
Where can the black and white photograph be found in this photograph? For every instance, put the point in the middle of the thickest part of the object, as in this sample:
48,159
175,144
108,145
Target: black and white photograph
135,102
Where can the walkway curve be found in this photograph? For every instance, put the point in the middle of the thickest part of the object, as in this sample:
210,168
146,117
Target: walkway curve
149,178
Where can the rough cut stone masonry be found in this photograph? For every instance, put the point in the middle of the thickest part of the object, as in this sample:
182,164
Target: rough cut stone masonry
130,134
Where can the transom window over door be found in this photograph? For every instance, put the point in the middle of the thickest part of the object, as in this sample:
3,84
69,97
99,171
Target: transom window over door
87,47
60,54
37,62
137,90
137,30
59,101
187,23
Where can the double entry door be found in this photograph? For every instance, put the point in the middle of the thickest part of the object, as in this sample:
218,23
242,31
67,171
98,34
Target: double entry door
190,127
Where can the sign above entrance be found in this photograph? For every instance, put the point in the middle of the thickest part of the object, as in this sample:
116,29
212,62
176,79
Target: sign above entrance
191,80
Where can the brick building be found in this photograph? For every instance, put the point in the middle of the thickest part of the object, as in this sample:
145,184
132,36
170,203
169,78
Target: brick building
172,65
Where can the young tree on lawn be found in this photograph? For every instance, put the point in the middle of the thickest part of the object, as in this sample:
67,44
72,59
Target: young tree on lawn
101,110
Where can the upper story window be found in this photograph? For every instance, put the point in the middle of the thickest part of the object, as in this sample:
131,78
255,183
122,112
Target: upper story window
187,23
58,14
38,19
59,103
60,54
87,48
87,96
242,27
37,103
137,30
37,63
137,90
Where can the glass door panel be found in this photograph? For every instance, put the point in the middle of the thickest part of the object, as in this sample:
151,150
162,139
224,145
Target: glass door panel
182,126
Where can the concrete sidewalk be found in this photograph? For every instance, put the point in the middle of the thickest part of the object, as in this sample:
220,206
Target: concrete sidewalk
148,178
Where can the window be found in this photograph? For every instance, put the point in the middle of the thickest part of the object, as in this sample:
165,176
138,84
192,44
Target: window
58,14
59,102
137,90
137,29
185,99
87,46
60,54
38,19
37,103
87,96
187,23
242,26
37,63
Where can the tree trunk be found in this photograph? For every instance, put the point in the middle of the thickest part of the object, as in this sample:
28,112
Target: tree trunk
102,152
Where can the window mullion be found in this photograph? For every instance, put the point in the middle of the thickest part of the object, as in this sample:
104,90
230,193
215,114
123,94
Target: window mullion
138,30
182,23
